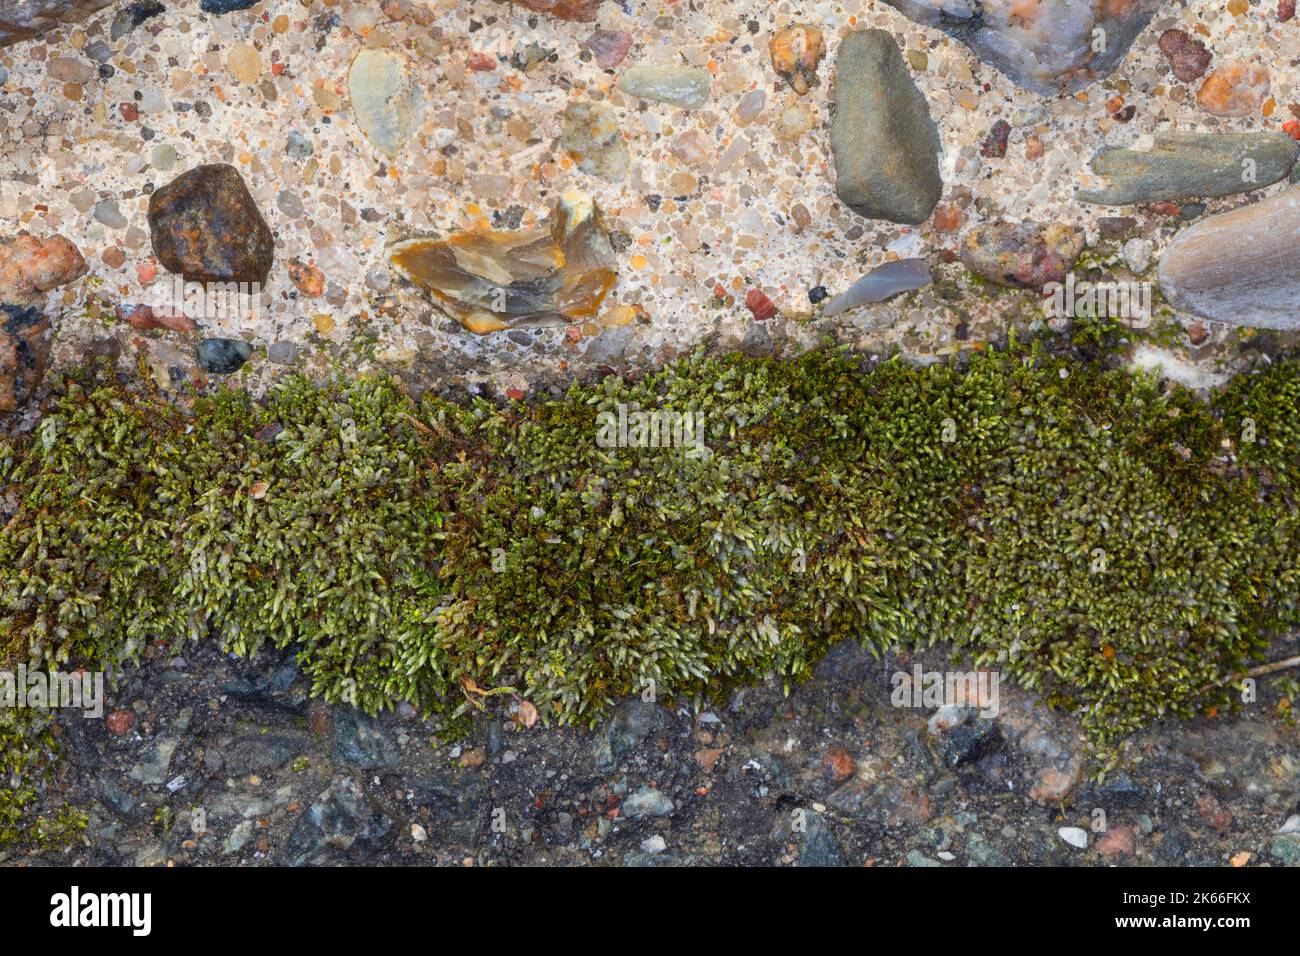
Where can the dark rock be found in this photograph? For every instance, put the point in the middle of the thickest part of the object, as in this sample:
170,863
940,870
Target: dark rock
132,15
995,144
1192,165
260,753
1022,255
342,822
969,741
1116,227
222,356
818,847
632,722
205,225
361,741
885,144
226,6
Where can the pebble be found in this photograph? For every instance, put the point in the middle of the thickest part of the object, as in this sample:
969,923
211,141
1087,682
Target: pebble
1047,48
1075,836
796,51
647,802
107,212
306,278
1187,165
119,722
1238,266
222,356
1023,255
29,267
593,136
1137,254
205,225
297,146
1236,88
387,102
609,47
682,86
1189,57
1117,841
886,146
282,353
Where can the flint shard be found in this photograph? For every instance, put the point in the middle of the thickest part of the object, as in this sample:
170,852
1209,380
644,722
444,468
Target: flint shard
489,280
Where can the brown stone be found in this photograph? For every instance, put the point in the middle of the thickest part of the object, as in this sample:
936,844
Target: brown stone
1189,57
563,9
24,19
205,226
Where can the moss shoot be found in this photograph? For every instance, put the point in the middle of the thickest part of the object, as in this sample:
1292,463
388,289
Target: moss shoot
1124,549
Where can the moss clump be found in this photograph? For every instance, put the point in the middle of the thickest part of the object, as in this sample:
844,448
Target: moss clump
1080,529
28,755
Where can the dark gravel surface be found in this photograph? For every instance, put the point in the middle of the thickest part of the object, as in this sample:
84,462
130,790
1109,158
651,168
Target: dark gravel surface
229,762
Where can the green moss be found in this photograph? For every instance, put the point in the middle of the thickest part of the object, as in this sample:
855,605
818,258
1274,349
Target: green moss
1076,527
28,755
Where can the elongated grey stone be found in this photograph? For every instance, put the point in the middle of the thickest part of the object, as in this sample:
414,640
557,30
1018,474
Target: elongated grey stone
885,144
901,275
1192,166
1050,46
1240,266
681,86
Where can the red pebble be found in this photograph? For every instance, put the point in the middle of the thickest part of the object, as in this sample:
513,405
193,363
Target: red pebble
1292,129
130,112
759,304
479,62
119,722
516,394
1285,10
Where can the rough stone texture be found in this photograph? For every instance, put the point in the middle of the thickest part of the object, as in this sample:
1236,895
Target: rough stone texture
594,139
1239,266
29,267
1022,254
205,226
1192,165
886,146
1046,47
24,19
